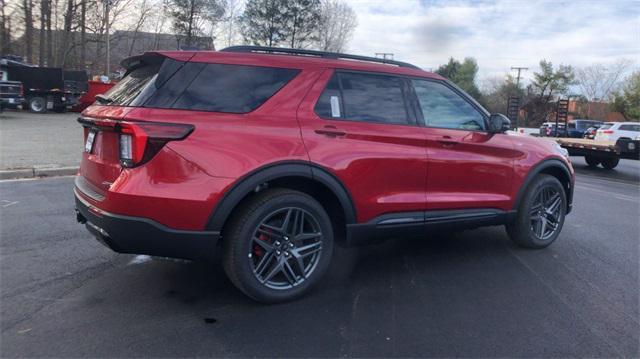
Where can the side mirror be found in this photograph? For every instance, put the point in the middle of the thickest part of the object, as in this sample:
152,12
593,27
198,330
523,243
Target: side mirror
499,123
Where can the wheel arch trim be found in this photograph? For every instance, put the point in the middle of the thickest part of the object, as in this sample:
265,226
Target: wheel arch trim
248,183
539,168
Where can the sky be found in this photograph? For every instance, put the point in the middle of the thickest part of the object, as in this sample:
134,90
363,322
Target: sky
499,34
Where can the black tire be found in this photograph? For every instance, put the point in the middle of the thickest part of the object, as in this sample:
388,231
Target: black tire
610,163
592,161
245,251
37,104
525,230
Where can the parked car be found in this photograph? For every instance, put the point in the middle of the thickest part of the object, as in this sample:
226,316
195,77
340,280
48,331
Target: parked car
578,127
11,94
272,155
612,131
590,133
548,129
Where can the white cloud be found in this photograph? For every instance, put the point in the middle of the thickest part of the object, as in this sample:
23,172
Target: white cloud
499,34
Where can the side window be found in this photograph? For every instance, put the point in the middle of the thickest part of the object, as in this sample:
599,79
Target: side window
170,83
233,88
443,107
635,128
330,104
364,97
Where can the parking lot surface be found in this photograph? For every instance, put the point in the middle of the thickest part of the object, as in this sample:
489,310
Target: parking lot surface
452,294
39,140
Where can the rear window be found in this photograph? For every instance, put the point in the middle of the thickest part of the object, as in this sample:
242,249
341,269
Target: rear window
606,126
200,86
130,87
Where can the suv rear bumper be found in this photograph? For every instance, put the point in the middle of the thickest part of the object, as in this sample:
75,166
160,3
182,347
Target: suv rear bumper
136,235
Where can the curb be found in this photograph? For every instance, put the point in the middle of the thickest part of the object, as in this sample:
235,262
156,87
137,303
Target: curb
37,172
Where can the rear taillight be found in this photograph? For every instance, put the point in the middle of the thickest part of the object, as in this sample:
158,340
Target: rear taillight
140,141
608,132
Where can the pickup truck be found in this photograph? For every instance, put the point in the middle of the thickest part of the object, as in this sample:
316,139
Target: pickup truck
11,94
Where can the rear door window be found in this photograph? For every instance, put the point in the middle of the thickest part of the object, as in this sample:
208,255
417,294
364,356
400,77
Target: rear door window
364,97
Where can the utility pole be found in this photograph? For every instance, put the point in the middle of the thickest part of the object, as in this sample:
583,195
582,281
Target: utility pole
106,18
518,77
385,55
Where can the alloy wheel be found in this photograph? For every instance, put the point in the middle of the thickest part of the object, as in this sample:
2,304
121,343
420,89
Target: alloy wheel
285,248
546,213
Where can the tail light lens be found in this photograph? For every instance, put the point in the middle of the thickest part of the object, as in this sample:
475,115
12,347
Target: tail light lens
140,141
608,132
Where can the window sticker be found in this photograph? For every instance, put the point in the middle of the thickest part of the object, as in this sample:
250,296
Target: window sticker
335,106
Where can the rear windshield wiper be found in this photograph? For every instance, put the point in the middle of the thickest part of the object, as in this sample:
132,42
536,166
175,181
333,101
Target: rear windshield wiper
103,99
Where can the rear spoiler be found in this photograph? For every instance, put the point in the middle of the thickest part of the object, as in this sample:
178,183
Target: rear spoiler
154,58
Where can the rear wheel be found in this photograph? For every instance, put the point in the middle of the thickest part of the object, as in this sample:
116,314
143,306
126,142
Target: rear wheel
540,215
610,163
37,104
278,245
592,161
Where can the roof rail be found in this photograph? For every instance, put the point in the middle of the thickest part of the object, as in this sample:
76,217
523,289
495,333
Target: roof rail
323,54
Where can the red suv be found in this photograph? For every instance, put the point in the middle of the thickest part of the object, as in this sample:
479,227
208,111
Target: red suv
273,155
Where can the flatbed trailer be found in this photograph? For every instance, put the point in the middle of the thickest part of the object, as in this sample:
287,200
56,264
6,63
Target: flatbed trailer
605,153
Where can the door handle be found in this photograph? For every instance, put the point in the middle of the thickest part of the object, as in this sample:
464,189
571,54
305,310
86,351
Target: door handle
447,141
331,131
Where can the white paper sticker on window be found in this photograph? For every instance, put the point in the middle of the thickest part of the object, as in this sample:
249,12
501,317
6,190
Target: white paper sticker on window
335,106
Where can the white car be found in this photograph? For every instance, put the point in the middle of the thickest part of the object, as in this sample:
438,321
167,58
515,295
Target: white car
612,131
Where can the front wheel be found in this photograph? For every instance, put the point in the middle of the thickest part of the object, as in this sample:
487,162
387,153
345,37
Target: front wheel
540,215
37,104
277,245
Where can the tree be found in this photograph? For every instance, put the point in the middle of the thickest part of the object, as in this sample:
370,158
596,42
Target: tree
44,12
5,29
496,93
66,43
302,21
597,82
547,85
337,23
462,74
264,22
627,101
146,8
190,17
27,8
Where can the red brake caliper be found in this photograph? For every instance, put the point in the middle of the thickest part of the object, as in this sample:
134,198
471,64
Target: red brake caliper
257,250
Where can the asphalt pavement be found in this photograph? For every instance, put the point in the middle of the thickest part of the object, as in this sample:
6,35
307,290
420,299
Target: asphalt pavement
465,294
29,140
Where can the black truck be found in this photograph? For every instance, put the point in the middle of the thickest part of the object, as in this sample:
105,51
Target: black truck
48,88
10,94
